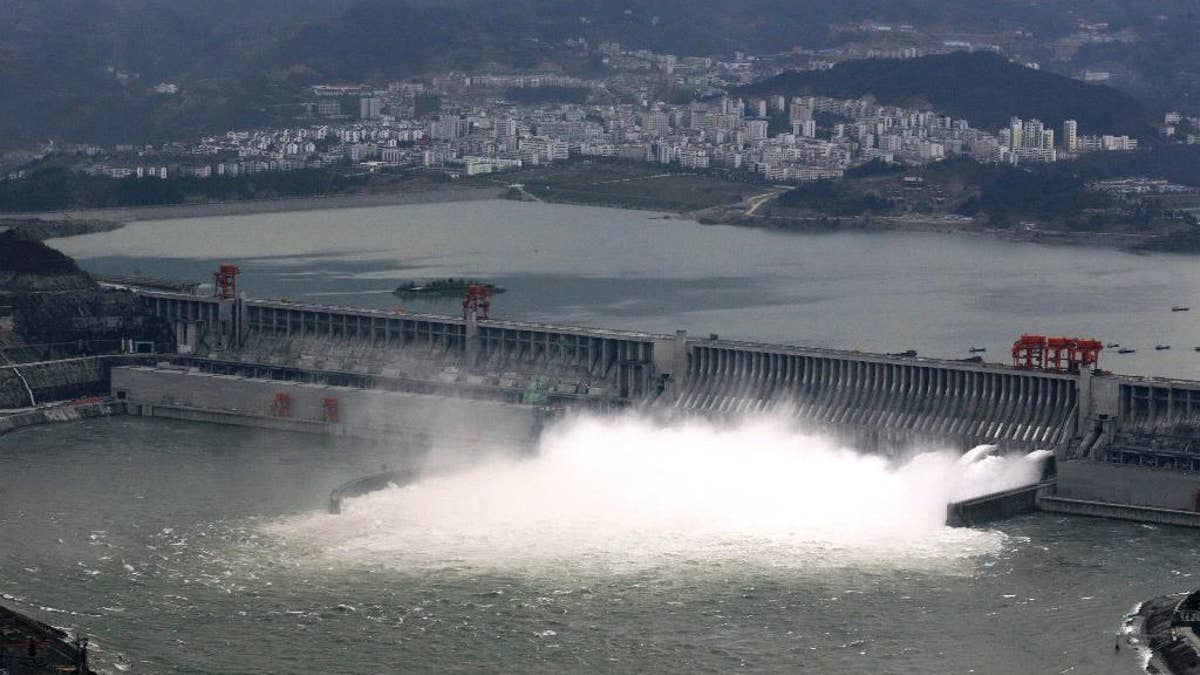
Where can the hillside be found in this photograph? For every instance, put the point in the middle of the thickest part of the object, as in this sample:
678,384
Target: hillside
29,265
963,194
50,308
984,88
83,70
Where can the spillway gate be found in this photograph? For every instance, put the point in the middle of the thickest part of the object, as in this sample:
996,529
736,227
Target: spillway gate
879,399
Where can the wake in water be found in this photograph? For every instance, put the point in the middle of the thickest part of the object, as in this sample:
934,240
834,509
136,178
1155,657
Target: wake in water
630,490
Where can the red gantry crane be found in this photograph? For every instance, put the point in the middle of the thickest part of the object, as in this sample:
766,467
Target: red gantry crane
476,301
1060,354
225,282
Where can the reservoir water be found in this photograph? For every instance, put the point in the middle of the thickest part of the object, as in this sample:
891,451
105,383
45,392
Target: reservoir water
937,293
188,548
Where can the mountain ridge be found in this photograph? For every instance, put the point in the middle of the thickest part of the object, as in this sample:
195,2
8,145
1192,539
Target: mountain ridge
982,87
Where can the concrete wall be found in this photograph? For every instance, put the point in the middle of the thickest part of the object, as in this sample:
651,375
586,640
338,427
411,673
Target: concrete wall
379,412
1148,404
998,506
1125,484
892,396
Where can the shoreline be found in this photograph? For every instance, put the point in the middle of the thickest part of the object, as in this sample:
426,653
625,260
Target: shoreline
730,215
131,214
1169,649
1119,241
57,413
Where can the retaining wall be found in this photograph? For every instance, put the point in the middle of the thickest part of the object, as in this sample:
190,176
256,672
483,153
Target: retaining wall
187,394
1127,484
988,508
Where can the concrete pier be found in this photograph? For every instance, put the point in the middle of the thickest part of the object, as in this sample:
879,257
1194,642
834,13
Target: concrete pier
989,508
30,647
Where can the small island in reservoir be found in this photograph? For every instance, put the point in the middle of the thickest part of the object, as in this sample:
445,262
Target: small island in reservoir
443,287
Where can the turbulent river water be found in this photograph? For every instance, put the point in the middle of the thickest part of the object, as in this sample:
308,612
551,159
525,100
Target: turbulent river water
621,545
201,549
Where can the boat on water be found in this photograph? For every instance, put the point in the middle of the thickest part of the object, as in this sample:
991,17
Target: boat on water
1126,350
1180,308
1112,345
1161,347
977,350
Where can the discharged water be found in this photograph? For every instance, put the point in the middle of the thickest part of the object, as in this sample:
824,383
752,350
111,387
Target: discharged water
199,549
628,491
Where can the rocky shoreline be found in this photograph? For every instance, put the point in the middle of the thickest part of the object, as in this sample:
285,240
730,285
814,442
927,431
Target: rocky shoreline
65,412
1165,242
1170,650
41,229
71,223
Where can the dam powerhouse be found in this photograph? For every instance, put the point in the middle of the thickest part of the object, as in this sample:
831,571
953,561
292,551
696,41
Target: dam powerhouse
1124,446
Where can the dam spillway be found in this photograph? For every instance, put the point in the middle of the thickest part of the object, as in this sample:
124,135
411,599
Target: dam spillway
1125,446
893,399
880,399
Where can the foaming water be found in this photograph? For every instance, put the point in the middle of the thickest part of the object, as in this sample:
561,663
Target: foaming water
627,490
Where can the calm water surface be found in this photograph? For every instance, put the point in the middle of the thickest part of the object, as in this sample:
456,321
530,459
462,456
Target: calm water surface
936,293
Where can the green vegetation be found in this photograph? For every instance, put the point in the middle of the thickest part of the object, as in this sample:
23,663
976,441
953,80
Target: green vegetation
56,188
1008,195
1057,193
984,88
633,185
21,254
1050,196
834,198
36,228
240,64
1176,163
58,311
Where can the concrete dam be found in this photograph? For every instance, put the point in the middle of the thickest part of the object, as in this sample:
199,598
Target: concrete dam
326,368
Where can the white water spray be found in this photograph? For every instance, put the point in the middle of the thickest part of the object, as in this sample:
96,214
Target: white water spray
626,490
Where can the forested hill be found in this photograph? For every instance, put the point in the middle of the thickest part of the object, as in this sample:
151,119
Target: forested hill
982,87
86,70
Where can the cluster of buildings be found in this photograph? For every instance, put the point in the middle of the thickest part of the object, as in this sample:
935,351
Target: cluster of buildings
1031,142
775,138
1132,188
473,124
1181,128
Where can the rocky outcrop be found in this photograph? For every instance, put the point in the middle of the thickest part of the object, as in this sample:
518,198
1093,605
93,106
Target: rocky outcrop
37,228
1171,652
51,310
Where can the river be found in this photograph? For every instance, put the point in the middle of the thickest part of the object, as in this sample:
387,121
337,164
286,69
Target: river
187,548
